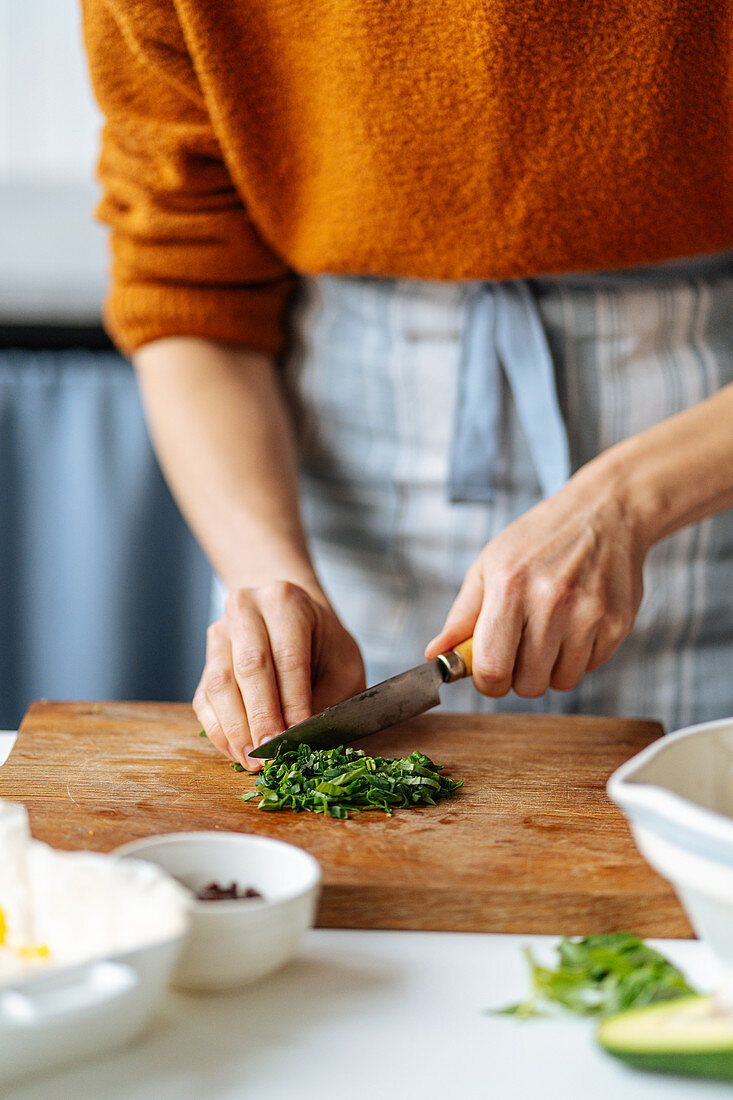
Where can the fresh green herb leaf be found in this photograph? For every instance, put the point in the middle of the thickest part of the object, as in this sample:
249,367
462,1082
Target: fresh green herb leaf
237,767
337,781
203,733
600,975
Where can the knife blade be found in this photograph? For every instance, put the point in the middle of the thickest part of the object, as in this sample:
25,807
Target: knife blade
385,704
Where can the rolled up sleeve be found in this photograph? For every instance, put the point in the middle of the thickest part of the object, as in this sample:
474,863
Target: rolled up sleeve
186,259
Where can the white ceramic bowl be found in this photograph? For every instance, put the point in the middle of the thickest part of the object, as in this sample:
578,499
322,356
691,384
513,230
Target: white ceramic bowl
113,932
678,797
231,943
71,1013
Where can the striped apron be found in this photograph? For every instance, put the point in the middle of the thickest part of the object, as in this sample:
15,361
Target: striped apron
430,415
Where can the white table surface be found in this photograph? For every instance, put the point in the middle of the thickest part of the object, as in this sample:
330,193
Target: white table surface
389,1015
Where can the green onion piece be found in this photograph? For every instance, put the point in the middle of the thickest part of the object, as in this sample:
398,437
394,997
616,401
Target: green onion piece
339,781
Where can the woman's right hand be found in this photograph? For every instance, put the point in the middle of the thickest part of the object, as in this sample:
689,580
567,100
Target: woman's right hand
275,657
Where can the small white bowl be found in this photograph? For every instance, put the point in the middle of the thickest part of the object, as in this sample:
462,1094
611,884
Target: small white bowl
232,943
678,797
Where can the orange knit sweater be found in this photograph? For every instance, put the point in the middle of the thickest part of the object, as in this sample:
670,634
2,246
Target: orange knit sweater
247,140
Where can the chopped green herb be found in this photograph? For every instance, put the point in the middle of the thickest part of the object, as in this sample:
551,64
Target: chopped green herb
336,781
203,733
601,975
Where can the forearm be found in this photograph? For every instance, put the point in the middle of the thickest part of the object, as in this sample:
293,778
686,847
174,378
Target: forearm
675,473
223,438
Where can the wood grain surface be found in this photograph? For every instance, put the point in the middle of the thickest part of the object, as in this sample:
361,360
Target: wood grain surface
530,844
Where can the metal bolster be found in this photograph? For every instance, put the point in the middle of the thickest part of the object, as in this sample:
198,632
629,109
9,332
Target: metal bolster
454,667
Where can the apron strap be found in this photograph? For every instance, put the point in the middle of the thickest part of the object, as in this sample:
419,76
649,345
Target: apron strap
505,332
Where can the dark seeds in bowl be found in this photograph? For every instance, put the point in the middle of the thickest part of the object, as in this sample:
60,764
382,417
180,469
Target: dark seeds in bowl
215,892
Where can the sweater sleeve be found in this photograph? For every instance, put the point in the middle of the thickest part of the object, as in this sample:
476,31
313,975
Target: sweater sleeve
186,258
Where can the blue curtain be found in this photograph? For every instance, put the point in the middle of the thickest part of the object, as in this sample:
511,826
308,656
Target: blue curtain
104,594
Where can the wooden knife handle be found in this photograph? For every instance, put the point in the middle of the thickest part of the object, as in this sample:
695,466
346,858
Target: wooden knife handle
458,662
465,652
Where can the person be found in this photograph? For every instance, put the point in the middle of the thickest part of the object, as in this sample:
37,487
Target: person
465,271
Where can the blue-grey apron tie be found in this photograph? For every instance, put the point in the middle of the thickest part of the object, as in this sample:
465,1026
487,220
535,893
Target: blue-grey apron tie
505,332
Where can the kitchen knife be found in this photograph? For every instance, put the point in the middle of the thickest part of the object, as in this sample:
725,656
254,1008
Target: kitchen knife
383,705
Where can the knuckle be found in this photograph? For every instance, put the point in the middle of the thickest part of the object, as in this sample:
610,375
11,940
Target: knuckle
495,683
278,592
235,733
250,661
591,611
616,626
263,718
217,680
554,592
290,659
353,668
512,581
237,603
491,672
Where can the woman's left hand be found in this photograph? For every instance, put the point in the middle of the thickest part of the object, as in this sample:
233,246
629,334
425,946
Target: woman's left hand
554,594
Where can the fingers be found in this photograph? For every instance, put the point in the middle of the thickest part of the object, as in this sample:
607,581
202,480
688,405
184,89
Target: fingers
541,641
206,716
529,637
462,616
281,638
254,674
544,652
222,702
551,596
613,630
496,640
495,619
537,655
264,658
571,664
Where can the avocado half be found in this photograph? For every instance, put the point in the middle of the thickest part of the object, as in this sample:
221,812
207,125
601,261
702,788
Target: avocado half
690,1036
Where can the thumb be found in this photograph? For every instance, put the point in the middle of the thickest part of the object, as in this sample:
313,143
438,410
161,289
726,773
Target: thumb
461,618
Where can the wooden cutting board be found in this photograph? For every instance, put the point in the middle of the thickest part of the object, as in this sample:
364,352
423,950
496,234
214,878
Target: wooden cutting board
530,844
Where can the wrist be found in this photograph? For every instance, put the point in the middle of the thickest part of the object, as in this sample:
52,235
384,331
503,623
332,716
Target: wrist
277,568
636,481
677,472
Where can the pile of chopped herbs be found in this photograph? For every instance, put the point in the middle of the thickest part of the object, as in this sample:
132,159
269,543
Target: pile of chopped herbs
337,781
601,975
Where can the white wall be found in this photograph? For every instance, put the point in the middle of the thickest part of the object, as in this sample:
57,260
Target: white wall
48,119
